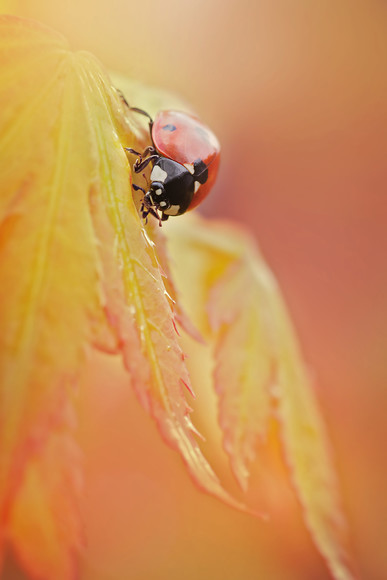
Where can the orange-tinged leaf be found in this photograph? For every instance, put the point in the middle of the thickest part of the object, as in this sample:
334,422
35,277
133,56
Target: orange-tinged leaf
259,372
244,365
77,270
146,328
180,316
304,437
49,282
44,517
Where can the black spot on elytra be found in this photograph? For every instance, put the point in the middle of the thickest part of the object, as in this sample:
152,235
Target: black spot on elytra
200,171
169,127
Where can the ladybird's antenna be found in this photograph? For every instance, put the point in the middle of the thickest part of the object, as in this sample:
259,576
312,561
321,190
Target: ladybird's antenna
135,109
122,97
142,112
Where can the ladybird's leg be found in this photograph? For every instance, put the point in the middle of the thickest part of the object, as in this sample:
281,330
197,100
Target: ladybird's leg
146,208
148,151
164,217
133,151
142,158
144,212
149,210
141,164
154,213
138,188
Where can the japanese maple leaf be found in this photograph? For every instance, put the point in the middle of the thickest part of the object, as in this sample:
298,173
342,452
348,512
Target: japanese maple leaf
80,271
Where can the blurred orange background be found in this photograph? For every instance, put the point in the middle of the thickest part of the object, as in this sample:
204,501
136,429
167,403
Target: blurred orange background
297,94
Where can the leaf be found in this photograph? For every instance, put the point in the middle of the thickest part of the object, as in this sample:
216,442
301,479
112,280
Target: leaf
77,270
45,518
49,283
304,438
244,365
146,329
180,316
259,372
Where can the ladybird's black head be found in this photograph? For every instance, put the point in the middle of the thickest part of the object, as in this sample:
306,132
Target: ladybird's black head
157,195
171,189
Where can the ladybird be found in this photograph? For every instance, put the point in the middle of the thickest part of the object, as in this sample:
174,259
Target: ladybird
185,157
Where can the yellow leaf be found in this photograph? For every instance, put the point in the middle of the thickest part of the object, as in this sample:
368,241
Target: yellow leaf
45,527
146,329
49,282
259,371
77,270
180,316
244,364
304,438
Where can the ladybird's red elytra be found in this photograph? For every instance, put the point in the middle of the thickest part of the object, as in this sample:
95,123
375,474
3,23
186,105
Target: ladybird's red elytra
185,158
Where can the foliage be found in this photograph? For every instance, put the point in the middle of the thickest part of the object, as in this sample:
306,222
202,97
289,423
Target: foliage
80,271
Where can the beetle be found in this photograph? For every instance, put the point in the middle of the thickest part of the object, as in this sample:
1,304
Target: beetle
185,158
